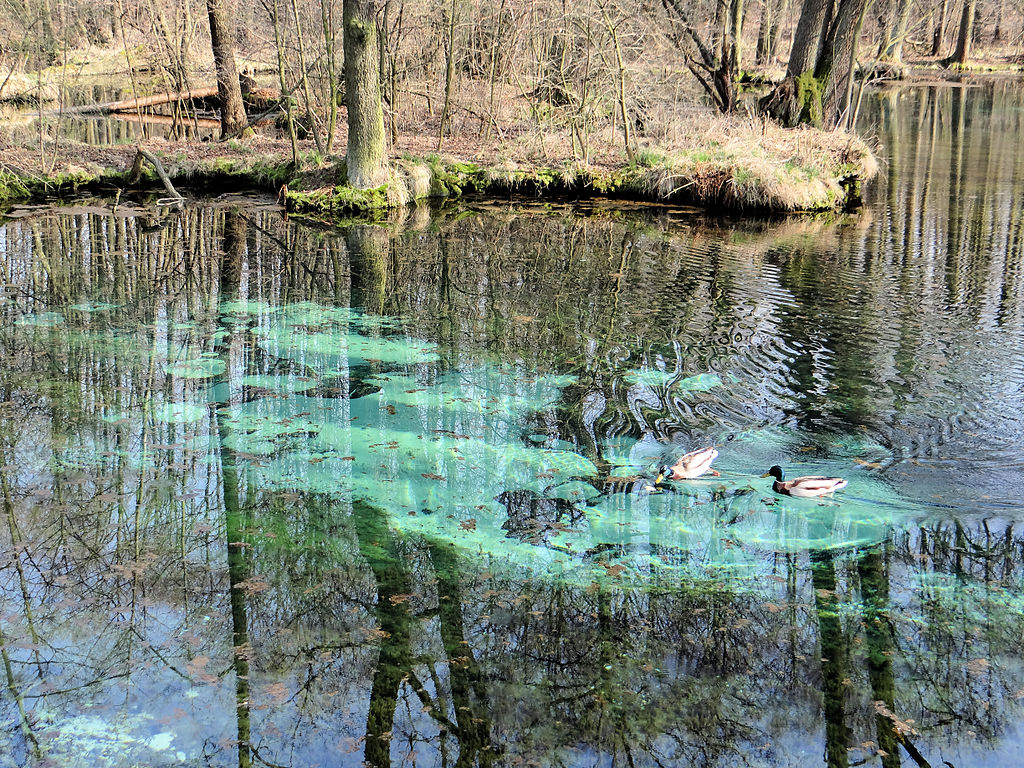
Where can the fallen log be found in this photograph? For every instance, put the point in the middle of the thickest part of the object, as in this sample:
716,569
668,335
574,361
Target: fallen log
142,102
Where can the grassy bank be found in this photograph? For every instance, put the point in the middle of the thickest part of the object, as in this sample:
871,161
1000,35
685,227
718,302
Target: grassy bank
757,168
802,170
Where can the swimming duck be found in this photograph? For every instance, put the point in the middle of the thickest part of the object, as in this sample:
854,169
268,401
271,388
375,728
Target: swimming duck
690,465
804,487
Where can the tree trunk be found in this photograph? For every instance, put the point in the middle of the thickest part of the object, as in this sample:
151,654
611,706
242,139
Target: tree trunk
963,39
222,40
279,45
767,35
48,38
714,70
807,36
834,69
901,31
940,28
891,48
365,154
304,80
736,17
997,33
327,23
449,75
834,647
817,89
797,98
131,105
773,33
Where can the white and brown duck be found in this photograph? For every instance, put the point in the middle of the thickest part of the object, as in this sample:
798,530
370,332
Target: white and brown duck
807,487
689,466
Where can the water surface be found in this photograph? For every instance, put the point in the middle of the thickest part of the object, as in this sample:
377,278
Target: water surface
285,494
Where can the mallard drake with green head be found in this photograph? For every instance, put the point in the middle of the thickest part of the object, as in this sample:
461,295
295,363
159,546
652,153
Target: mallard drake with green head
806,487
689,466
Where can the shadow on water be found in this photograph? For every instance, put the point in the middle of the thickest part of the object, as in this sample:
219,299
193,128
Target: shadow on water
284,495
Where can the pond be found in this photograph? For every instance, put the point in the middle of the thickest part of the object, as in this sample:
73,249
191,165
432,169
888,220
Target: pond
62,118
277,493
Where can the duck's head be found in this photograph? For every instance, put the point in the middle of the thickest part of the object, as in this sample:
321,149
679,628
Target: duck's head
662,473
777,472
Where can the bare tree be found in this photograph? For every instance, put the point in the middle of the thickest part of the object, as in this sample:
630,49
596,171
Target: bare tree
716,66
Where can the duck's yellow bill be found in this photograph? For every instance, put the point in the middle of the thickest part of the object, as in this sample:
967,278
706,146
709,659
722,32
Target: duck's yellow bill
767,474
659,478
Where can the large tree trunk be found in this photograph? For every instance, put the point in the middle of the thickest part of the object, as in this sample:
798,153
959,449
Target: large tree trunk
834,69
790,102
818,79
807,37
222,40
365,154
963,38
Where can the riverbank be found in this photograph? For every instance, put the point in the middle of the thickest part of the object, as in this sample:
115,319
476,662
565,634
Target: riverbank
735,165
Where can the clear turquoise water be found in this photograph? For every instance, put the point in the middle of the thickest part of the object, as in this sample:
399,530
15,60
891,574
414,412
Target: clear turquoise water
285,494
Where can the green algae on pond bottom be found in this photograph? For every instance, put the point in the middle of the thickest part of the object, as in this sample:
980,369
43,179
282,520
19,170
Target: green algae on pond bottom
454,454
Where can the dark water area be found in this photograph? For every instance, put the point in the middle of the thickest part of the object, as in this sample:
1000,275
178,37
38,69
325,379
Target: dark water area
278,493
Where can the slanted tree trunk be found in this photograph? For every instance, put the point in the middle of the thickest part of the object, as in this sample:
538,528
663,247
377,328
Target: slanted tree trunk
807,37
365,154
222,40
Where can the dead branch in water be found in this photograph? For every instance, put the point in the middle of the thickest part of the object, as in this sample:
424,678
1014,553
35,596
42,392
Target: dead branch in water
135,175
